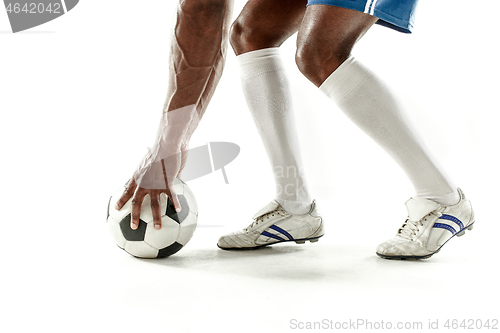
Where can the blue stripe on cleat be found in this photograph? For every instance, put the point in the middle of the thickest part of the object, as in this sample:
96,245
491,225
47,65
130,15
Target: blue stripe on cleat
267,234
284,232
445,226
452,219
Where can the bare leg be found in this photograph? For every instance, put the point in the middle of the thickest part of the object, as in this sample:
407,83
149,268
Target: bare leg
256,35
326,38
266,23
325,41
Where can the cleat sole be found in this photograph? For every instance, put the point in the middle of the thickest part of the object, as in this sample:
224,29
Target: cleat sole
298,241
460,233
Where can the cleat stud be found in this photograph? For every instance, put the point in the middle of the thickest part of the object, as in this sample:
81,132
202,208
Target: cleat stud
470,227
314,240
460,234
300,242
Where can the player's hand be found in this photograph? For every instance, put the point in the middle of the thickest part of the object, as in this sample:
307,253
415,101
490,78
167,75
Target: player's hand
161,165
137,194
155,178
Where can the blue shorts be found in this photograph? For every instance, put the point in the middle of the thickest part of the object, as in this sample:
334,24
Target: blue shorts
396,14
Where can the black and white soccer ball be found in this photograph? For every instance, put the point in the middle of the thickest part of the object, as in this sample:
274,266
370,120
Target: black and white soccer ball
147,242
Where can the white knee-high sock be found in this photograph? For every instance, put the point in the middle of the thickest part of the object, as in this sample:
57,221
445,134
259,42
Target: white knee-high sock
370,105
267,94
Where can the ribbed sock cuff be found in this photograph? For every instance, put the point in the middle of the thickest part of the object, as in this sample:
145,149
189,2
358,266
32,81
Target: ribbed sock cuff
255,63
346,81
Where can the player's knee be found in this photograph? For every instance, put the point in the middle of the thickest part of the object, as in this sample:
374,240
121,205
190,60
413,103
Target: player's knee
244,37
247,35
236,38
316,62
307,60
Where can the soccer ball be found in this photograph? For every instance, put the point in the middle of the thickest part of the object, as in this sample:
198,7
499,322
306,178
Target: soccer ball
147,242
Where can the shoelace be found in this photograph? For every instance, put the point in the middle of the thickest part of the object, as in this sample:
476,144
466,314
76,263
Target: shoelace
266,215
410,228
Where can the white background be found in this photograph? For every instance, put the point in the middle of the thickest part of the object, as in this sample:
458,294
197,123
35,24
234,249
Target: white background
80,98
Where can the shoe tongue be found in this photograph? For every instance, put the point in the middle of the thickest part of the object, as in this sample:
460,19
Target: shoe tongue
419,207
267,209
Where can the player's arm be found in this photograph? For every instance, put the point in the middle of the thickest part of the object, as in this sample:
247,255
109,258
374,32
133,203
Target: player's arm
198,49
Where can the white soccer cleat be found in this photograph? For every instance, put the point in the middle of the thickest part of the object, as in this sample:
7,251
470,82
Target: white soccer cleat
428,227
271,225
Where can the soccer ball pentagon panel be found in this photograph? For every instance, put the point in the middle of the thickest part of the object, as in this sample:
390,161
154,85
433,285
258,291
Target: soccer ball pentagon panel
147,242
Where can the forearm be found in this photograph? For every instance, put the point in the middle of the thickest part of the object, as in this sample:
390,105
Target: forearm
198,50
